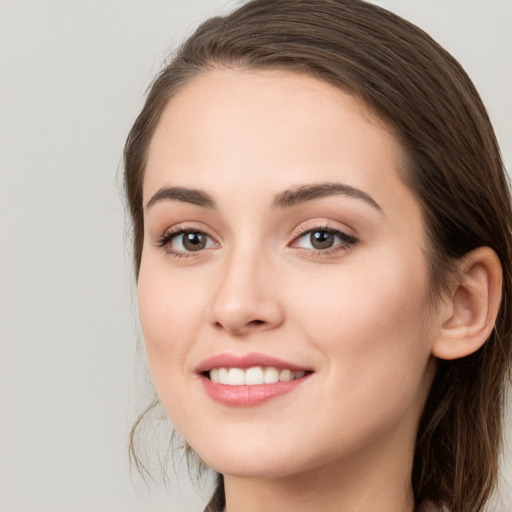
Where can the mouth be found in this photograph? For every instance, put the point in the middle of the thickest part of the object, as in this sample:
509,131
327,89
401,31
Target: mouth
250,379
253,376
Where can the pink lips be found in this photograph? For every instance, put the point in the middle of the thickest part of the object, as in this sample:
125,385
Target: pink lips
245,361
245,395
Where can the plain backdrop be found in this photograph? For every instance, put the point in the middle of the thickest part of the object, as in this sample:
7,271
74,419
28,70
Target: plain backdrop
73,75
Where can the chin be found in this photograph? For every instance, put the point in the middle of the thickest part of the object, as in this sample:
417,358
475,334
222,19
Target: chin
251,461
262,468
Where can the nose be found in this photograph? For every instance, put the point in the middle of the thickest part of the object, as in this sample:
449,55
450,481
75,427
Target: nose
245,299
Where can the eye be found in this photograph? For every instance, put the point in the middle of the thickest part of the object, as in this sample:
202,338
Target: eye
185,241
323,239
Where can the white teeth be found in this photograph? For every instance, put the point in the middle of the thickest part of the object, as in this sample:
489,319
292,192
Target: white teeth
253,376
214,375
236,377
223,375
271,375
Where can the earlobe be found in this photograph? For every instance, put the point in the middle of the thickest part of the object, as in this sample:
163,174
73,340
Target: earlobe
471,312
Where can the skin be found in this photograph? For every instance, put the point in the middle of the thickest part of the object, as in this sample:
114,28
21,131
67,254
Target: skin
357,314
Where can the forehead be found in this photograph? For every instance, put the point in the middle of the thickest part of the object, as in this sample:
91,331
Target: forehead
230,130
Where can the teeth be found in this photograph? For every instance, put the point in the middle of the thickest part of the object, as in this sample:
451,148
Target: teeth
214,375
271,375
223,375
254,375
236,377
285,375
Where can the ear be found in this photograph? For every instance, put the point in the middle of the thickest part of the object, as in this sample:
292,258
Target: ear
469,315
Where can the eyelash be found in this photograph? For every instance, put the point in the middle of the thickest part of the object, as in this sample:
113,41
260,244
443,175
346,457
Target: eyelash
347,240
165,240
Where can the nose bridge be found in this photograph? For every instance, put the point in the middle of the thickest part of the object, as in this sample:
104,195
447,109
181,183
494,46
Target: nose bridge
244,298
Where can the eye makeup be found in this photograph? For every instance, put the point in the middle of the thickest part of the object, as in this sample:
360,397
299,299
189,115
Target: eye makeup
187,241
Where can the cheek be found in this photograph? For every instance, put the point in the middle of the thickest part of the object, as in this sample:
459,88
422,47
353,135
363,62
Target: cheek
170,314
371,328
370,319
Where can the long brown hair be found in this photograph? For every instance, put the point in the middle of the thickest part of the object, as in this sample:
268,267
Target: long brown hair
453,167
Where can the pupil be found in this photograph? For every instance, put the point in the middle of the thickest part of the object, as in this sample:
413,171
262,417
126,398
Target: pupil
322,239
194,241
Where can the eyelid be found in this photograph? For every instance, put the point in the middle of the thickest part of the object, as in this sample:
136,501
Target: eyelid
346,240
185,227
321,225
164,241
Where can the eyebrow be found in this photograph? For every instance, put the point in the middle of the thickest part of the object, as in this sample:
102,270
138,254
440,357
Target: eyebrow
306,193
285,199
186,195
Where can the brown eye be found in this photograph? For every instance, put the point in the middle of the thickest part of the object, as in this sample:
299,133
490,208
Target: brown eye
194,241
182,242
324,239
321,239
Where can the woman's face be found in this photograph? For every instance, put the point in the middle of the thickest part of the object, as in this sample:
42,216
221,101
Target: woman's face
280,243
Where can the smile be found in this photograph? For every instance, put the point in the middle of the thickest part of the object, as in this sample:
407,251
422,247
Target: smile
249,379
253,376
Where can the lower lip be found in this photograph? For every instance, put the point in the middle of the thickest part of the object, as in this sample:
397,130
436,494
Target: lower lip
247,396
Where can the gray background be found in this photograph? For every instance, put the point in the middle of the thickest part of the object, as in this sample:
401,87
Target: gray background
73,75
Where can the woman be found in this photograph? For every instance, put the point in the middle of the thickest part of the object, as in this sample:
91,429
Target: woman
322,242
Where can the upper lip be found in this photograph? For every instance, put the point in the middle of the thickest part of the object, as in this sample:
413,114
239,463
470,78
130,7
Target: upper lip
227,360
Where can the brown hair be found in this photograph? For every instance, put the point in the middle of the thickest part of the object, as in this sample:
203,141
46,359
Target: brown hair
453,167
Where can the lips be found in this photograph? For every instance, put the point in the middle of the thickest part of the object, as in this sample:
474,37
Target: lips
246,361
249,379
